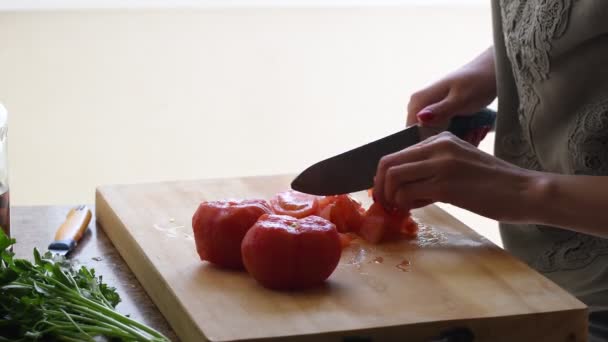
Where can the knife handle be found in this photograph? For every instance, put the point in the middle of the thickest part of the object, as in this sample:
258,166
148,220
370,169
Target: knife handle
461,125
72,229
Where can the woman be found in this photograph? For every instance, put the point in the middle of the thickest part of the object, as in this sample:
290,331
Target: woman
548,184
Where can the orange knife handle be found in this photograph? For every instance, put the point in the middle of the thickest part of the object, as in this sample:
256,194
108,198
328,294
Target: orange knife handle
75,225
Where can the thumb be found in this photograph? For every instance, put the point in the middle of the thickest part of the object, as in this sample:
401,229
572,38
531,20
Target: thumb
438,114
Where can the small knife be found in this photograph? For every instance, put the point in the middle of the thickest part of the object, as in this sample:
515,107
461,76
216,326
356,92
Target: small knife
354,170
71,230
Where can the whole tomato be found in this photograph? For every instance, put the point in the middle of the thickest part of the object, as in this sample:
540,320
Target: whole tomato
285,253
220,226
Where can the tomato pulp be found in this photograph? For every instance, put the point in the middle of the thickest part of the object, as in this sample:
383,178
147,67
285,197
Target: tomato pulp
294,203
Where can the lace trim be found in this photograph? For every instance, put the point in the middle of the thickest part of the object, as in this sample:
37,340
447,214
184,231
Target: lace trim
573,251
588,142
518,151
588,150
529,27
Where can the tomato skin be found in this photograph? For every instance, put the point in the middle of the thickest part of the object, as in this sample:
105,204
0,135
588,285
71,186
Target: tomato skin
285,253
381,225
294,203
220,226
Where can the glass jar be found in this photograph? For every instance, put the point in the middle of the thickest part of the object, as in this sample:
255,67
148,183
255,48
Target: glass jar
5,217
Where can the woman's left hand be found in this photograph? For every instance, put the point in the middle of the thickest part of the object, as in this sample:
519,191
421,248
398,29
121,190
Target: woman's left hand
447,169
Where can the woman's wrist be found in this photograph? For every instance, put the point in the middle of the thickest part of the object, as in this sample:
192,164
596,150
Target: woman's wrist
539,198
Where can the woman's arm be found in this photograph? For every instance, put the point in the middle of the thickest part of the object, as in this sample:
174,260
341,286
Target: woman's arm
464,91
577,203
446,169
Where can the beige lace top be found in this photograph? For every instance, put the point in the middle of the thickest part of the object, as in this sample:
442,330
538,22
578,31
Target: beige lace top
552,70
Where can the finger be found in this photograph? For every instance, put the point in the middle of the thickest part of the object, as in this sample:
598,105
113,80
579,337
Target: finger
412,154
440,113
415,195
421,151
425,97
400,175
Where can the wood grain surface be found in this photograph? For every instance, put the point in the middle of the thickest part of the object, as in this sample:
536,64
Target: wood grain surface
449,277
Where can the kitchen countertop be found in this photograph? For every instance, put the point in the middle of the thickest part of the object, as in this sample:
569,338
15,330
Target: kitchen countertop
35,227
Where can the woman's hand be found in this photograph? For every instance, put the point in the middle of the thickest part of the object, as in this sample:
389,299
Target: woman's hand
465,91
446,169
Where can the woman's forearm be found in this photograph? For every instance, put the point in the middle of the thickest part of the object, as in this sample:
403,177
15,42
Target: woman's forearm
484,62
578,203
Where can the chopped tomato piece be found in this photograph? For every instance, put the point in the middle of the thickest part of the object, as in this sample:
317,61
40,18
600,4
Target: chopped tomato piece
285,253
346,214
220,226
326,201
373,228
294,203
409,227
343,211
381,225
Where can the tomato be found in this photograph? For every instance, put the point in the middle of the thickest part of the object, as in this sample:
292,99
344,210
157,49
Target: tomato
219,228
380,225
324,204
409,228
343,211
294,203
285,253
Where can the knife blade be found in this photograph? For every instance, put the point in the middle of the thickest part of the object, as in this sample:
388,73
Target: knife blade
354,170
71,230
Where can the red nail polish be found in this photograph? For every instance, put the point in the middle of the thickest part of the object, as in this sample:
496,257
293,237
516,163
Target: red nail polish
425,115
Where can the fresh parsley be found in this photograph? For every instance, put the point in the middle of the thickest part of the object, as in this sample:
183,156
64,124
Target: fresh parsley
51,300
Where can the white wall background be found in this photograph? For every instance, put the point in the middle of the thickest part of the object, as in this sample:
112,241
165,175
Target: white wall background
122,96
81,4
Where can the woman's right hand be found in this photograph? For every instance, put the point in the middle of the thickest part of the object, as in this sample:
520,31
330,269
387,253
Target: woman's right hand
465,91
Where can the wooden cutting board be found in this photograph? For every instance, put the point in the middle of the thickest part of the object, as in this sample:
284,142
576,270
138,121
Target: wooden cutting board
450,277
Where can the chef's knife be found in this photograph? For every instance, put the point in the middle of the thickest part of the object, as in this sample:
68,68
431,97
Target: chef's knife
355,170
71,230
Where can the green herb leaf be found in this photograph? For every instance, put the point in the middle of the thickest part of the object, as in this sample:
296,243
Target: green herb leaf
50,300
5,241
